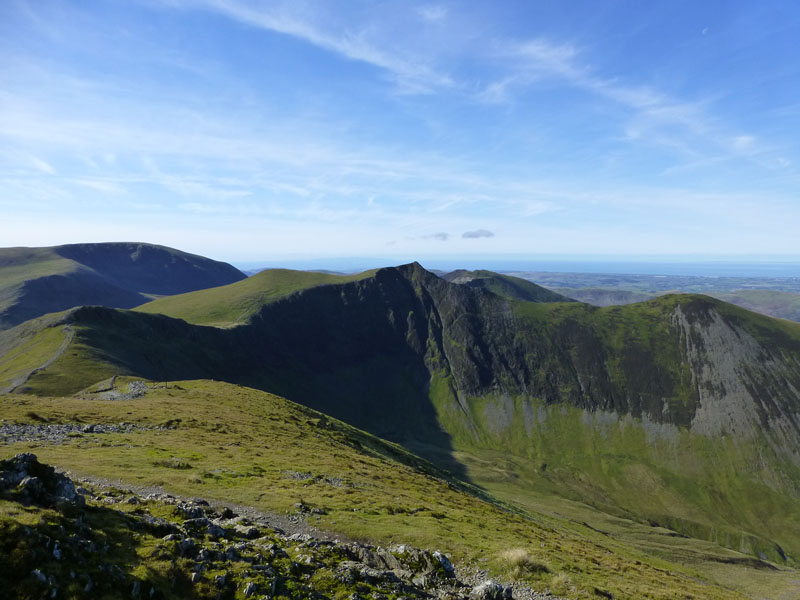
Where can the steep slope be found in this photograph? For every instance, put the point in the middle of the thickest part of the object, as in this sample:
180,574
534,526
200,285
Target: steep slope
774,303
505,286
36,281
234,304
239,447
681,411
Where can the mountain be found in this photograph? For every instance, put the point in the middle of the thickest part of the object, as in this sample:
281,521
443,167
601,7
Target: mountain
779,304
36,281
506,286
234,304
680,412
606,296
773,303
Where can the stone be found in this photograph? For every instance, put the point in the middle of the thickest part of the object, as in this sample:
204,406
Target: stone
249,589
215,531
250,533
444,561
187,547
39,575
488,590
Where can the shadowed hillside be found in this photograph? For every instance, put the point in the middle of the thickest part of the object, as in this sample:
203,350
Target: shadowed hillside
36,281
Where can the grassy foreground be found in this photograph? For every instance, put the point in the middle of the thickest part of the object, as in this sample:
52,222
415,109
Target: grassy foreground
230,443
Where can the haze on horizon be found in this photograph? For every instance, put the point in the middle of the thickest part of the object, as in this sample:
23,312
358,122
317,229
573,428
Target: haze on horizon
247,130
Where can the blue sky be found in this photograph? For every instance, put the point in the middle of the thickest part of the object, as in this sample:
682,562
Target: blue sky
258,130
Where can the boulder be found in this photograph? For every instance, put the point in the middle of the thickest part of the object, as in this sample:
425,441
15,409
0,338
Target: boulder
488,590
24,476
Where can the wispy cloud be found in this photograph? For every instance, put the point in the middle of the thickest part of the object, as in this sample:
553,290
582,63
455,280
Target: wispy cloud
654,116
440,237
42,165
433,13
413,75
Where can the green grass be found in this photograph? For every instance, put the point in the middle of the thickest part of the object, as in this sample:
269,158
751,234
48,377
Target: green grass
783,305
18,265
252,448
233,304
507,286
704,487
27,347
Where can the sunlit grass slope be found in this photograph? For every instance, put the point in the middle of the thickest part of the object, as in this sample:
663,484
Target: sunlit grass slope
233,304
230,443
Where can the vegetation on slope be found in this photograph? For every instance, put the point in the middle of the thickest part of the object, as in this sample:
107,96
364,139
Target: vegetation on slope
446,369
505,286
228,443
783,305
36,281
234,304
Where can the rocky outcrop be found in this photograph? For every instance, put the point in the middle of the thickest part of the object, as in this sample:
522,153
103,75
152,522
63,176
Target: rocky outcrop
25,479
209,552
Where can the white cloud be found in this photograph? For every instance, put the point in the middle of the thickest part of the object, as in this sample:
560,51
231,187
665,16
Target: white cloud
743,143
413,75
42,166
433,13
100,185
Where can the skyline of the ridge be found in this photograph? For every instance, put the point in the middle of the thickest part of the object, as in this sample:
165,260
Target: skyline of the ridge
243,130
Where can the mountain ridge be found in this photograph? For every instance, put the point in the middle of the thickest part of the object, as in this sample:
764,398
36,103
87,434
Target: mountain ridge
37,281
462,372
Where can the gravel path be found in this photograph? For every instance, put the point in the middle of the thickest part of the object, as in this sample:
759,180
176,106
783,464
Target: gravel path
16,383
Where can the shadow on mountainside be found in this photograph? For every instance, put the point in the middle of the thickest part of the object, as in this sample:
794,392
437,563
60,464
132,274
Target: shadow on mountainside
362,352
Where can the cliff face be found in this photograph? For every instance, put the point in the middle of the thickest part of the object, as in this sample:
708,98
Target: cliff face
371,349
683,410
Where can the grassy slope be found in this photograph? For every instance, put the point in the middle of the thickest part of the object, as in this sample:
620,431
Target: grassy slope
710,496
506,286
598,296
28,346
711,488
784,305
240,445
18,265
233,304
37,281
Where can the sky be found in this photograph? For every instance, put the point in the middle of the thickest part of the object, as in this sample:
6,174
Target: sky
251,131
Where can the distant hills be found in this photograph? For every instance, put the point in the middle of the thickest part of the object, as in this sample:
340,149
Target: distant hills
505,286
36,281
775,296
